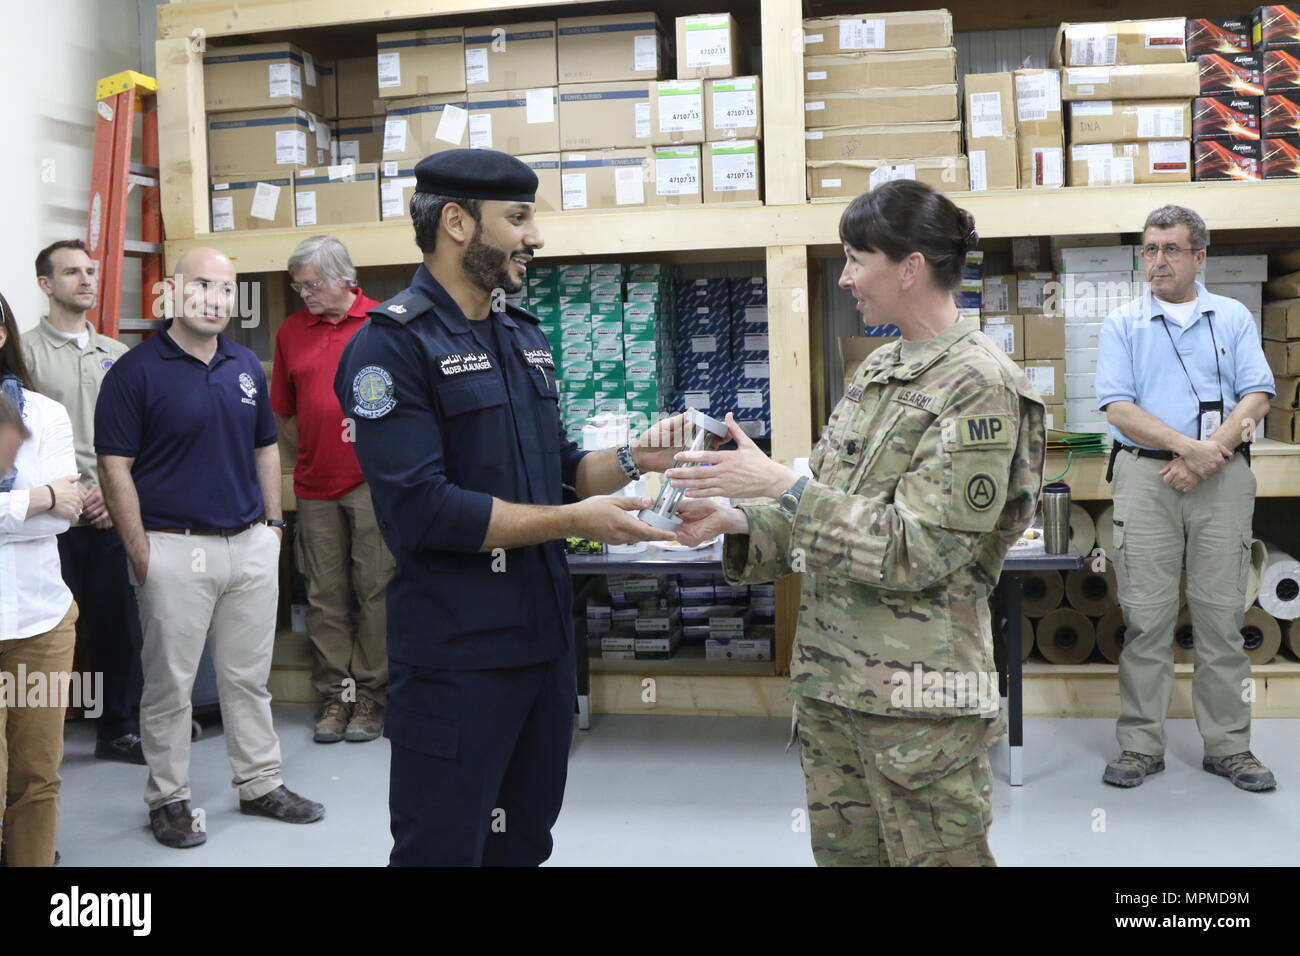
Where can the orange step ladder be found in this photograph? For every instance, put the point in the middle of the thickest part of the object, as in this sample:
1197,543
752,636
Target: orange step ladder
117,100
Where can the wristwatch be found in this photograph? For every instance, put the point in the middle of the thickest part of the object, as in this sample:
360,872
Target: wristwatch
275,523
789,500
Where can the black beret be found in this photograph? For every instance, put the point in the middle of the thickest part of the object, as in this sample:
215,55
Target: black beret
476,174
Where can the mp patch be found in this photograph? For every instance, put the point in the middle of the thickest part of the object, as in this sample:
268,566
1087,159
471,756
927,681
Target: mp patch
372,392
910,396
984,431
981,491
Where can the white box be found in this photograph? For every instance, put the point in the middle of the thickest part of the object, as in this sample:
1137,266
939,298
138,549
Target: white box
1080,385
1259,322
1082,335
1235,269
1080,360
1249,294
1097,259
1101,427
1082,410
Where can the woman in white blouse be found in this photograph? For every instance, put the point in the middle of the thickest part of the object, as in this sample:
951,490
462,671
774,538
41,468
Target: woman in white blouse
39,497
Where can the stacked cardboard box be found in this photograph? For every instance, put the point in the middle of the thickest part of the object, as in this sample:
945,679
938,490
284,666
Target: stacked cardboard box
880,103
1129,86
706,372
1241,278
991,149
1282,349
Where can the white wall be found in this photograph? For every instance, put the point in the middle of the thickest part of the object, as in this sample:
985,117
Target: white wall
51,55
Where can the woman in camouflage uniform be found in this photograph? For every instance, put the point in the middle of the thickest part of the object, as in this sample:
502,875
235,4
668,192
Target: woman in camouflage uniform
928,471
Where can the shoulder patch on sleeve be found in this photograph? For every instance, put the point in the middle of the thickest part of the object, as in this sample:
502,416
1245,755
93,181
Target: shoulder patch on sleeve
373,395
984,431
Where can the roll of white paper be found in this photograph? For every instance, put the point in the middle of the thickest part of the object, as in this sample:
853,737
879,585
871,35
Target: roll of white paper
1083,530
1279,584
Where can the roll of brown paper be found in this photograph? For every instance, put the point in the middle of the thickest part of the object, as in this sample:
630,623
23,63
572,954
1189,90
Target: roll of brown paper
1026,637
1261,635
1110,634
1105,525
1066,637
1258,554
1183,649
1094,593
1083,530
1291,635
1041,592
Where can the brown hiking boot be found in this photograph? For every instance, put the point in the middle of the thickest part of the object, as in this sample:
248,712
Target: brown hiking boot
332,721
1131,768
367,721
1243,770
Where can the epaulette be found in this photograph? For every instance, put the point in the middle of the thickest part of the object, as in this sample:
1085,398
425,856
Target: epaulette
517,313
402,308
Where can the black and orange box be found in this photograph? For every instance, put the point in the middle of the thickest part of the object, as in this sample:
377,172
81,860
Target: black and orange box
1217,35
1281,70
1222,160
1241,74
1275,26
1282,158
1226,117
1279,115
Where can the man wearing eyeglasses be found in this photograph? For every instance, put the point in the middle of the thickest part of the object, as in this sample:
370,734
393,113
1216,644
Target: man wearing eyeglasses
337,543
1183,381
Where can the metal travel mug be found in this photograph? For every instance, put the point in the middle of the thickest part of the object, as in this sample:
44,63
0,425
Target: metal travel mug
1056,518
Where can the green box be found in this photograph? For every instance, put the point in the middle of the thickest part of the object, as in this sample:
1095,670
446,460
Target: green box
575,292
645,272
575,311
576,352
640,331
640,371
605,291
641,311
641,351
614,404
608,311
574,273
607,350
643,292
542,271
607,271
548,312
544,292
581,389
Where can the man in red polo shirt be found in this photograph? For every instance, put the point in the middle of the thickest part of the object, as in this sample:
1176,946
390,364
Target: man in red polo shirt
337,545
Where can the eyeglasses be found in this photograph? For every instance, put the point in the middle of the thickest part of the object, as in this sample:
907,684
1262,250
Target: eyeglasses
307,286
1172,252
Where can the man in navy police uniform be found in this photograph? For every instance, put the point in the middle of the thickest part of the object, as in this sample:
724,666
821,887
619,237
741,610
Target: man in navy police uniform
453,398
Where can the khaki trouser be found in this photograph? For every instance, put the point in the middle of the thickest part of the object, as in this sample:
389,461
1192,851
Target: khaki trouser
205,588
1157,529
895,791
31,745
344,559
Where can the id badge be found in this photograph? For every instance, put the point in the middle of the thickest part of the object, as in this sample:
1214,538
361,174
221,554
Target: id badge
1211,418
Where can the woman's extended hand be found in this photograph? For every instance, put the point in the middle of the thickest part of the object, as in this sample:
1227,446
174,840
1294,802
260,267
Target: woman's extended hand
743,473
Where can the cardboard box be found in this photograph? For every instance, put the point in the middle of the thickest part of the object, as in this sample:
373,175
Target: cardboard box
1040,128
990,107
1035,291
600,115
1281,425
1079,361
517,56
854,350
1249,294
1054,417
265,139
1283,357
547,168
1217,35
1117,121
1080,385
421,62
994,164
845,179
916,30
1048,376
1285,287
608,179
999,295
332,195
1154,81
902,141
254,201
733,171
359,140
1121,43
515,121
1281,70
708,46
1222,160
1149,161
396,184
1280,114
733,109
1226,117
926,104
1083,335
1281,157
1288,393
1007,332
424,125
1098,259
260,76
676,112
1236,269
845,72
1237,73
1275,25
356,79
327,80
611,48
1044,337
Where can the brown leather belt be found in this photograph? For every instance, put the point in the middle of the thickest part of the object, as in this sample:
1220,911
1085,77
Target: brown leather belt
212,532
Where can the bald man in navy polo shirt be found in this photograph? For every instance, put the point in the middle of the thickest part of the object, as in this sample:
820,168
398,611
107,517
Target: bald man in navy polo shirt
191,472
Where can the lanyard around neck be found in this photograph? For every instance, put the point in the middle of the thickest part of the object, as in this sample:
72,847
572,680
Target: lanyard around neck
1164,319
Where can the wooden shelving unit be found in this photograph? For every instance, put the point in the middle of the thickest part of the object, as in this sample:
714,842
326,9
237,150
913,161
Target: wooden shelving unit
783,233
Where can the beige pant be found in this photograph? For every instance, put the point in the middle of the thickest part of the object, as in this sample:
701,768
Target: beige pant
1157,529
202,588
31,745
347,565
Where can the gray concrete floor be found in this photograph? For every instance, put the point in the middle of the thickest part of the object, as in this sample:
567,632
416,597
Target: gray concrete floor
697,791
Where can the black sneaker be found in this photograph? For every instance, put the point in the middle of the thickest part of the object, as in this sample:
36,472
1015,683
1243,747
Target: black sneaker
127,749
173,826
1131,768
1245,772
283,804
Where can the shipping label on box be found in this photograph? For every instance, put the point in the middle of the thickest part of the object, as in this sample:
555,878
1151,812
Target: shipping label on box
999,295
845,72
1147,81
515,121
1048,377
1113,121
677,174
990,107
732,109
605,115
336,194
608,179
916,30
609,49
420,62
260,76
263,201
1121,42
924,104
708,45
424,125
901,141
677,112
732,172
513,57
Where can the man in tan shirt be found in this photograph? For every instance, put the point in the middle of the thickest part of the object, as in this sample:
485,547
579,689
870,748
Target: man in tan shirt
68,360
